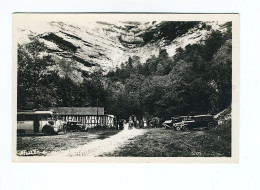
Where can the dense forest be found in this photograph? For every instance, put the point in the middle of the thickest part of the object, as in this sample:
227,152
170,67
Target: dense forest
196,80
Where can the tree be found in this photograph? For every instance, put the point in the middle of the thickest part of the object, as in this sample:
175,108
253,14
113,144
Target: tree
221,77
31,70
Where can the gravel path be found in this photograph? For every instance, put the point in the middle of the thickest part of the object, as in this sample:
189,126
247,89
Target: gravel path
100,147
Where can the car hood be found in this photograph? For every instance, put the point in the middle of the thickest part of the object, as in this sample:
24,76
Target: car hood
168,121
185,122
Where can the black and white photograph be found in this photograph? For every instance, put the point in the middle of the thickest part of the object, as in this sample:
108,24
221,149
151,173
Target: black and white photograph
125,87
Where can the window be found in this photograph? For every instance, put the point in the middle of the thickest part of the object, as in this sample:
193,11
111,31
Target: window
45,117
208,118
24,117
20,117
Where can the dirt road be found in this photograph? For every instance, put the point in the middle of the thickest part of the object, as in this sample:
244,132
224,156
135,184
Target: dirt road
100,147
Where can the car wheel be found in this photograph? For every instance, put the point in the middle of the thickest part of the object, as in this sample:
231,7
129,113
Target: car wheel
48,130
178,128
185,128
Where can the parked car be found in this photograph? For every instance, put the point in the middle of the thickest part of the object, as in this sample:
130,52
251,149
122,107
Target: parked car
75,126
181,125
154,122
39,121
198,121
169,124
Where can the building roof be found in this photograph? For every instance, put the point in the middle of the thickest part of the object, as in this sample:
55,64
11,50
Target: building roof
43,112
34,112
25,112
78,110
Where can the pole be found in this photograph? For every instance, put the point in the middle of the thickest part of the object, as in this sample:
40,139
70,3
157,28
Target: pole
97,111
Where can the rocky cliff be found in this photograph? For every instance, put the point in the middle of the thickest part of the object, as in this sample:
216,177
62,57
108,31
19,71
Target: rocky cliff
108,45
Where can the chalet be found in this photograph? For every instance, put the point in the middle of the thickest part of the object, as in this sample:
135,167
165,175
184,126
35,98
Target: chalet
89,116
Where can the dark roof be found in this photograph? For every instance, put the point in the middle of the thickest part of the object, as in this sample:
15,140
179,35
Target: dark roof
25,112
78,110
203,115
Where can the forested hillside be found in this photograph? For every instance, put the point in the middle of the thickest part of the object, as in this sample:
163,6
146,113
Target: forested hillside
196,80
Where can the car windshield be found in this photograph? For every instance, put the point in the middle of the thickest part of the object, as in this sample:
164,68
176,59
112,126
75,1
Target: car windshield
203,118
46,117
187,119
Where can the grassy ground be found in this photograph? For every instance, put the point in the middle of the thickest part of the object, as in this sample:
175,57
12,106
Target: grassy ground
169,143
154,143
38,144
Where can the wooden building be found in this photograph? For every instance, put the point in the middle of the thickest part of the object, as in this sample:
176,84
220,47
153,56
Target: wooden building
89,116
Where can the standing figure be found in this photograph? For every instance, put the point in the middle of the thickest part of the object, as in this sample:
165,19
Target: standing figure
145,123
131,123
137,124
115,123
134,120
121,124
141,123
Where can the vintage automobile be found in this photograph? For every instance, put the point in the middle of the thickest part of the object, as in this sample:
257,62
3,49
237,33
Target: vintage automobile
154,122
75,126
39,121
198,121
181,125
169,124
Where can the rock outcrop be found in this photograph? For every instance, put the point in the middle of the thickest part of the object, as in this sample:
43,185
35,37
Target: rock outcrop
108,45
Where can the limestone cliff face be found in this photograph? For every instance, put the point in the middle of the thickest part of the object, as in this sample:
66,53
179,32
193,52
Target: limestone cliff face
108,45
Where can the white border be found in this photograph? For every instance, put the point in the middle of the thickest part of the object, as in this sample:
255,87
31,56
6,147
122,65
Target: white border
21,18
140,176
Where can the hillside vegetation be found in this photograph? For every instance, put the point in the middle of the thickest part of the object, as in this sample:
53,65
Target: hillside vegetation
197,79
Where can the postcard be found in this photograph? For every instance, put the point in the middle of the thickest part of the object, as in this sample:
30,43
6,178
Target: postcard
125,88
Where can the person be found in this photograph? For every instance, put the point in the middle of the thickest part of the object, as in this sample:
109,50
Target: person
121,124
137,124
134,121
145,123
130,124
141,123
115,123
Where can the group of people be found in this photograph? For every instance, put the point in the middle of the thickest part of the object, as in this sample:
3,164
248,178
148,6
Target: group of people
119,125
133,122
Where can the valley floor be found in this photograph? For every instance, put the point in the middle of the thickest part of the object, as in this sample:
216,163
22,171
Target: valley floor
102,146
40,145
169,143
156,142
